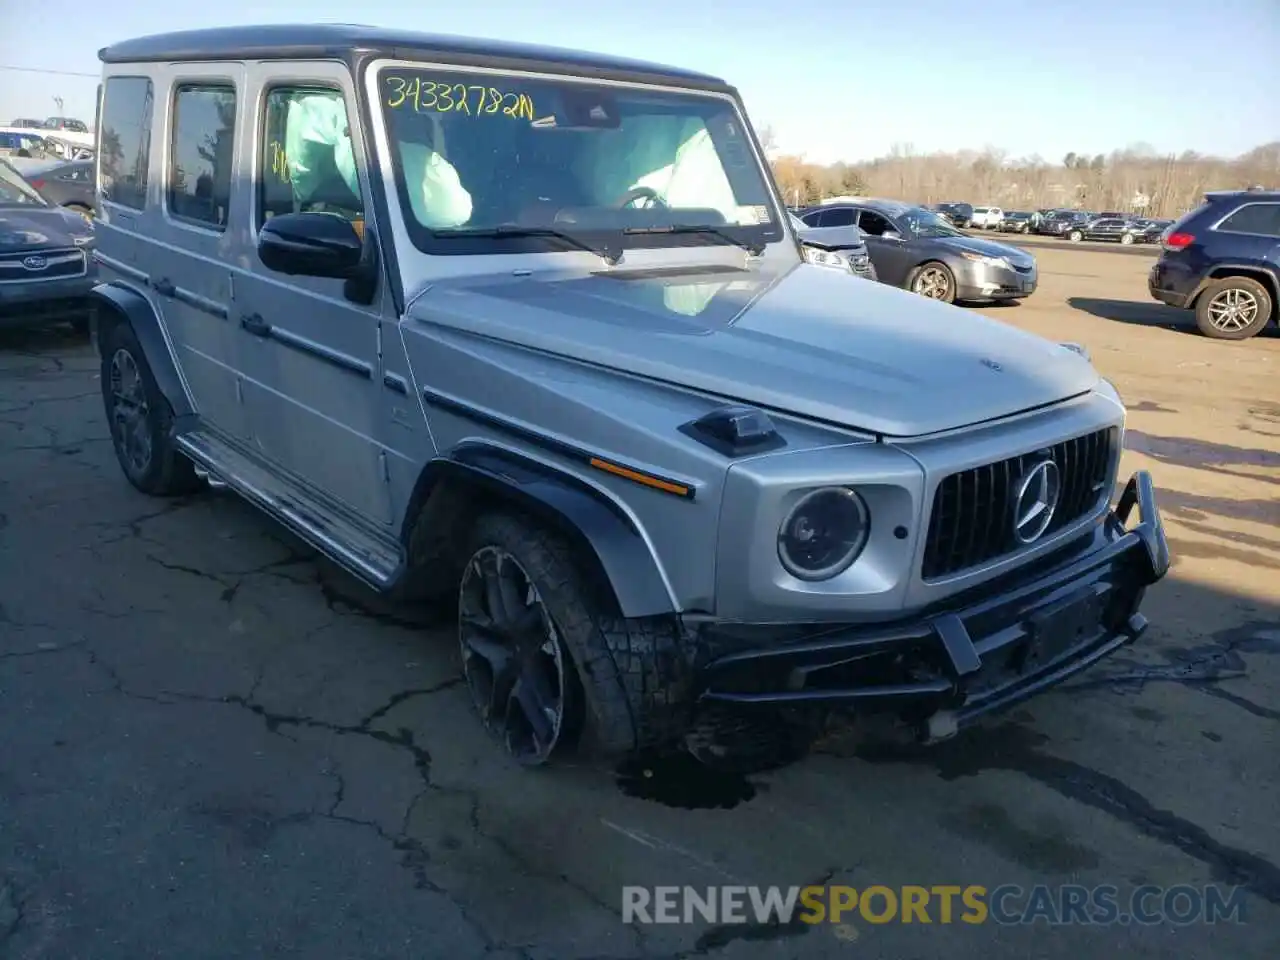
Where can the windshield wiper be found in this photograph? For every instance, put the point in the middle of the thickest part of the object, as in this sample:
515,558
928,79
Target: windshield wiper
754,249
604,253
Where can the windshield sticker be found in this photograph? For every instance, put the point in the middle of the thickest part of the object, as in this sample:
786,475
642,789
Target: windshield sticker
433,96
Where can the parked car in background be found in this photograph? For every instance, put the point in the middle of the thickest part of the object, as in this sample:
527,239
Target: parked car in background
916,249
1114,229
838,246
66,124
1016,221
66,184
46,271
22,142
987,218
960,214
26,123
1222,260
69,144
1059,222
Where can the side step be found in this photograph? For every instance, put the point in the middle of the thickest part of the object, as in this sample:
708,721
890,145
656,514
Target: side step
373,558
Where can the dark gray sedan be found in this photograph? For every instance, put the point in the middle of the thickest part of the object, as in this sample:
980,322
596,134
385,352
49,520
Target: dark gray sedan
916,249
65,184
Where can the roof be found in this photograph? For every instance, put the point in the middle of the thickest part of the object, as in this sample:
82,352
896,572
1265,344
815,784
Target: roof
329,40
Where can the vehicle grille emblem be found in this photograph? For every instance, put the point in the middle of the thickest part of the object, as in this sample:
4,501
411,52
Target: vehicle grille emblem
992,365
35,262
1036,501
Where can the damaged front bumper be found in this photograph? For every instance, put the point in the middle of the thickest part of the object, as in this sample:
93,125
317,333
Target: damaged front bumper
943,669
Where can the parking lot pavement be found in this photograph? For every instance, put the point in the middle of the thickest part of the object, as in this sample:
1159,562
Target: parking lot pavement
213,745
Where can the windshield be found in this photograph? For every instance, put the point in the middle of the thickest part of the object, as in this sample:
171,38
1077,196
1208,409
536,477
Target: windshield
15,191
926,223
478,163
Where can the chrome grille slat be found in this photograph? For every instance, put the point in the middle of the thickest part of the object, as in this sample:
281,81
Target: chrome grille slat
971,520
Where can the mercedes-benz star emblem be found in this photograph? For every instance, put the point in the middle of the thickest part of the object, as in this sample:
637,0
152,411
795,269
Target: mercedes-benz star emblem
35,262
1035,501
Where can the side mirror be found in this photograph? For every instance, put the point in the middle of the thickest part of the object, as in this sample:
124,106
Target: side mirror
891,235
311,245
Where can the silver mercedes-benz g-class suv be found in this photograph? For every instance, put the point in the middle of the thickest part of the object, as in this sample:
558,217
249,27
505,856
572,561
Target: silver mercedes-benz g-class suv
528,329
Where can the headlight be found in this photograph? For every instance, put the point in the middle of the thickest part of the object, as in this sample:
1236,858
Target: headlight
828,258
998,262
823,533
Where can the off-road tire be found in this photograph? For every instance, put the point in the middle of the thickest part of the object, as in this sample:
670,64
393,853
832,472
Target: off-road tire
635,683
167,472
1246,284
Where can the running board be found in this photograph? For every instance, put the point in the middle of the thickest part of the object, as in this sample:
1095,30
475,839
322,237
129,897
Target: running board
375,560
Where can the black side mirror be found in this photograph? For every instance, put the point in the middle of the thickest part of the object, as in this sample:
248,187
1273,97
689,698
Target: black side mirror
311,245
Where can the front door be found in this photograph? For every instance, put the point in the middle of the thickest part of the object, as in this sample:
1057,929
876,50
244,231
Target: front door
309,355
887,244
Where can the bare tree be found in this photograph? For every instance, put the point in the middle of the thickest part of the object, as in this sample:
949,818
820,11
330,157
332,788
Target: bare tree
1135,178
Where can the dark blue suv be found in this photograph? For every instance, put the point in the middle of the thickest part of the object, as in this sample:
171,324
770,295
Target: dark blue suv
1222,260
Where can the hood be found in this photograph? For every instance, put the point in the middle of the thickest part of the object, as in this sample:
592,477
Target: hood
40,228
808,341
835,238
988,248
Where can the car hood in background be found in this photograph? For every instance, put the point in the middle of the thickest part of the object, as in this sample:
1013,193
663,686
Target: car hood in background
805,341
39,228
834,238
988,248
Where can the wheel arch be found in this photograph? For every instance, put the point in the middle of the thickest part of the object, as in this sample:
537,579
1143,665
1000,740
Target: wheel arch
117,303
453,489
1266,277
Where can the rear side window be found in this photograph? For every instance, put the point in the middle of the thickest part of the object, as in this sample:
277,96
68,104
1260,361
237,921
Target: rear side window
841,217
1256,218
125,136
204,120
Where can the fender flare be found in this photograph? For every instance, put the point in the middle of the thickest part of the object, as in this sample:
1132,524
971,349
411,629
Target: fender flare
1270,277
585,516
136,310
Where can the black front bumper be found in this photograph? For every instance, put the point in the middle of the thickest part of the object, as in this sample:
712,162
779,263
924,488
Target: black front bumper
946,668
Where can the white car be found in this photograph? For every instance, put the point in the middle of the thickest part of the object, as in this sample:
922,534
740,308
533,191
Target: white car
988,218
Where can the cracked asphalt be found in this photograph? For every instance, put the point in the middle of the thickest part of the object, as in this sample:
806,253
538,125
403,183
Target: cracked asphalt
215,745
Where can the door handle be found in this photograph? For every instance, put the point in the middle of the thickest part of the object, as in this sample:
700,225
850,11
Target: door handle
256,325
165,288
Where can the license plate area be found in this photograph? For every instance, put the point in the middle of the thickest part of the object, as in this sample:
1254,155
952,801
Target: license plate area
1068,623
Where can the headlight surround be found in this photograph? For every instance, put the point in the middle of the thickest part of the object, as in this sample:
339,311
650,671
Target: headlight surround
827,258
823,533
986,261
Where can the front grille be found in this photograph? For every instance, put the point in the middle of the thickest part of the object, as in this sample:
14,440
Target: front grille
41,265
972,518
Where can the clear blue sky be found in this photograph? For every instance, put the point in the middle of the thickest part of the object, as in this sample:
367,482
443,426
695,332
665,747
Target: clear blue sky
843,80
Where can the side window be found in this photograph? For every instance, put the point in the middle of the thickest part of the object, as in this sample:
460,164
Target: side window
307,161
1258,218
874,224
839,217
204,120
125,136
813,219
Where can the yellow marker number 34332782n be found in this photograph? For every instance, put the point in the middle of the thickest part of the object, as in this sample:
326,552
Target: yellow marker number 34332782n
436,96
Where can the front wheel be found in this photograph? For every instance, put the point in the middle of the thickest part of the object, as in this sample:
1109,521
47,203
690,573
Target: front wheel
140,419
1233,308
934,281
549,661
1126,238
1075,236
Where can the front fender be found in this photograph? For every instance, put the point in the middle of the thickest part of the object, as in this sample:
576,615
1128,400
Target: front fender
584,515
118,303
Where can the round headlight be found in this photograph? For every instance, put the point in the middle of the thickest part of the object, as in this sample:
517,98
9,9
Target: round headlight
823,533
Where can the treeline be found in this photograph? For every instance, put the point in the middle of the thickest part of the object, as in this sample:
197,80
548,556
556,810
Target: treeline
1134,179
